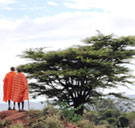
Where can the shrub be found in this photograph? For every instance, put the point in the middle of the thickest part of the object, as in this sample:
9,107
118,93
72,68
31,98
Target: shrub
85,124
20,125
111,120
122,121
53,122
34,117
69,113
49,117
103,123
50,110
48,122
34,113
38,124
101,126
110,113
131,117
4,124
91,116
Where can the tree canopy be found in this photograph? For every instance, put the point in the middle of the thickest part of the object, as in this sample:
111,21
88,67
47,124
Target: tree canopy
75,75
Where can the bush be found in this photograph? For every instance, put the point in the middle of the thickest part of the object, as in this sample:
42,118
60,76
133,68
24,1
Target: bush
101,126
20,125
103,123
50,110
53,122
110,113
85,124
38,124
91,116
48,122
34,113
69,113
34,117
49,117
131,117
122,121
111,120
4,124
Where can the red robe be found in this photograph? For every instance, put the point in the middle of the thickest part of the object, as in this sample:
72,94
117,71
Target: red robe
7,89
20,89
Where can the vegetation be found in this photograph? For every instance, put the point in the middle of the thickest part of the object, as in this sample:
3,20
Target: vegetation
76,75
53,117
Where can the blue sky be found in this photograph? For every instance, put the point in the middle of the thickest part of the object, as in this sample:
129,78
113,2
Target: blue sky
58,24
38,8
31,8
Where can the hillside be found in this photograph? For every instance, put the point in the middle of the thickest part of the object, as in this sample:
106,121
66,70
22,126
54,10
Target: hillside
16,117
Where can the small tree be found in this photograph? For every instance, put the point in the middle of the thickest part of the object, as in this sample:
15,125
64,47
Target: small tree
75,75
119,104
122,122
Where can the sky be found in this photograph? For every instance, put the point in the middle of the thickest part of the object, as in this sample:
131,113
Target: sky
58,24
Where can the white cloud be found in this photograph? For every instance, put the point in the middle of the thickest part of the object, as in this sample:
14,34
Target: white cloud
52,3
7,24
4,2
65,26
59,31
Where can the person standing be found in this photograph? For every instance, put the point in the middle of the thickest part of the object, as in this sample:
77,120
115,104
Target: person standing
7,87
20,89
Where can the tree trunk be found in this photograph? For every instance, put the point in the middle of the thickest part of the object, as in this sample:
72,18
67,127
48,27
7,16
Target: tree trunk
80,111
79,106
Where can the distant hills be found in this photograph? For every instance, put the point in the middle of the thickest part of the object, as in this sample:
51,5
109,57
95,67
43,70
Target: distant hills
131,96
33,105
36,105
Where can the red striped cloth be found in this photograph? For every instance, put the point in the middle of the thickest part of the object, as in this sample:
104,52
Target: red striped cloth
7,88
20,89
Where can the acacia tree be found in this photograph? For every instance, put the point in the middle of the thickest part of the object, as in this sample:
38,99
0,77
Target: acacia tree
75,75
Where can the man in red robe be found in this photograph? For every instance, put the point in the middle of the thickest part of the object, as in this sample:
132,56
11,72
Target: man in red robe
20,89
7,88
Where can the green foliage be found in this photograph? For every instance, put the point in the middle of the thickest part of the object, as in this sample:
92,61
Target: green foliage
122,121
131,117
48,122
20,125
104,123
50,110
34,113
38,123
85,124
53,122
110,113
49,117
74,75
69,113
111,120
100,104
35,118
91,116
117,104
5,124
101,126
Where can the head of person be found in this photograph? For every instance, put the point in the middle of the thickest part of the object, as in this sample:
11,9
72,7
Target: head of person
12,68
19,70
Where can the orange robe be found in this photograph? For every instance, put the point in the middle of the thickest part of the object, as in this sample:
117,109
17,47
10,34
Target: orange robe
7,89
20,89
